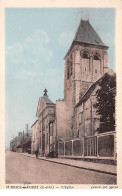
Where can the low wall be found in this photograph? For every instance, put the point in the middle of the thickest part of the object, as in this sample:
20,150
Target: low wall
101,146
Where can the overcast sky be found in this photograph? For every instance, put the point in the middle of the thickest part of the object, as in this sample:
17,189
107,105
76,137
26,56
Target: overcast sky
37,40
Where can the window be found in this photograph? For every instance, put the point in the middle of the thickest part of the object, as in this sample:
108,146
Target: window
71,64
95,70
85,60
68,69
80,117
96,56
71,67
85,55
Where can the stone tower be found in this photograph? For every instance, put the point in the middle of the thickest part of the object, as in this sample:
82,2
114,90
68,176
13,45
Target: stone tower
85,62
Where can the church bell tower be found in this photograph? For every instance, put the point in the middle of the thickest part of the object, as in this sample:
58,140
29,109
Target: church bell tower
85,62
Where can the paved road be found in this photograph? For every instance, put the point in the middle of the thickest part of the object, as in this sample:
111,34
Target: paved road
21,169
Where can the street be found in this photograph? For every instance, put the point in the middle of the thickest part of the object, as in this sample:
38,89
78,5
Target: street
21,169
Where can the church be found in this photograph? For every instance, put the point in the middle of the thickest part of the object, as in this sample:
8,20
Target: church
68,128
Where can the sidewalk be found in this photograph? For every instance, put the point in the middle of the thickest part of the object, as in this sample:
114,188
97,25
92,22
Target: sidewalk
98,167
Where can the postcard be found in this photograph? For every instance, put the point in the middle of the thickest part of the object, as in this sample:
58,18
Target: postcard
60,94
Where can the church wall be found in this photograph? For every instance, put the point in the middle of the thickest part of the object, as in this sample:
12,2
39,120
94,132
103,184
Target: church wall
85,70
77,76
63,119
86,118
105,62
97,69
46,117
90,64
95,116
68,78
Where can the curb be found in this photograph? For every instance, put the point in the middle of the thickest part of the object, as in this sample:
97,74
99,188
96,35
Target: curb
80,167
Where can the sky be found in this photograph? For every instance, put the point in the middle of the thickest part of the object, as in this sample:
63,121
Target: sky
36,41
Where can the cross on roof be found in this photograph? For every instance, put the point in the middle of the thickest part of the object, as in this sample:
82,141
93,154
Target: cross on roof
45,92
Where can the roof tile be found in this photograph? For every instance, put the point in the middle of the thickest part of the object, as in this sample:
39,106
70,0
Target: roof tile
46,99
86,34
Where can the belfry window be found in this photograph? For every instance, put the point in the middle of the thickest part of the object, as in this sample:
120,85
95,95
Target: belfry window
96,56
85,55
85,60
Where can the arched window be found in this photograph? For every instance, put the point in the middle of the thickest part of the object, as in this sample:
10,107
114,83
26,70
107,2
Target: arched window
71,58
96,56
85,61
85,55
71,64
67,69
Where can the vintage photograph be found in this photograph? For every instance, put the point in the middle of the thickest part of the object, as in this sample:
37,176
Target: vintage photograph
60,96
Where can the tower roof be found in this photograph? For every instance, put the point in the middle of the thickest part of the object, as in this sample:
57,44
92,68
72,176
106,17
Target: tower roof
86,34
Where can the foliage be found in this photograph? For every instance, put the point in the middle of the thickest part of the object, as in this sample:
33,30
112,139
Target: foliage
105,104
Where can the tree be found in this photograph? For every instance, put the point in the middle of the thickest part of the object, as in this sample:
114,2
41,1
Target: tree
105,104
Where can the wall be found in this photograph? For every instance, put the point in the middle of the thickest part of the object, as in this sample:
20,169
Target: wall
35,137
84,71
46,117
87,119
63,119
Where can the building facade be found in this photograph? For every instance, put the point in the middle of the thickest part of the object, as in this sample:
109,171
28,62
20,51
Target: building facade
44,129
22,142
72,122
35,137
